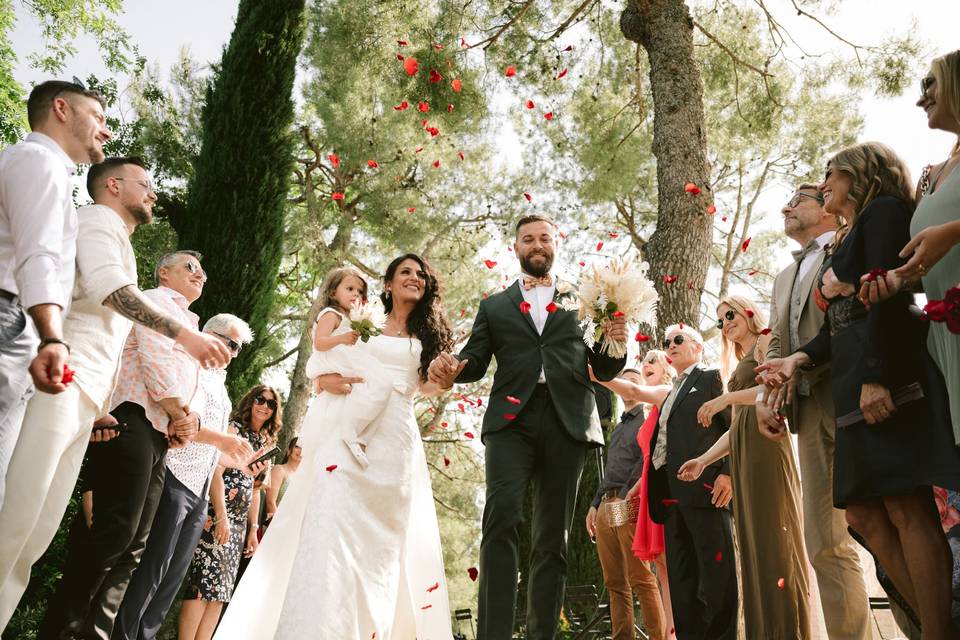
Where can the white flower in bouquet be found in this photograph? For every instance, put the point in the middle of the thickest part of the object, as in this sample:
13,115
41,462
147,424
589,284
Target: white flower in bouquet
367,318
619,289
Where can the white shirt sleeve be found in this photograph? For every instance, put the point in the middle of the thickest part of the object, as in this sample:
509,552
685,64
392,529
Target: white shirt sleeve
100,264
35,188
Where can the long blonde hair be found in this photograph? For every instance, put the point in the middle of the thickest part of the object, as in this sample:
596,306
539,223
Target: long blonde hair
946,71
662,360
730,352
876,171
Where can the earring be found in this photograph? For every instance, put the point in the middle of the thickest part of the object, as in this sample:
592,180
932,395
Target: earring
386,294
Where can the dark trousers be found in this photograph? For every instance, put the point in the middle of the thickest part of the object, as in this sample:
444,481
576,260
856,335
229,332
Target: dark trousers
126,475
701,571
535,449
173,537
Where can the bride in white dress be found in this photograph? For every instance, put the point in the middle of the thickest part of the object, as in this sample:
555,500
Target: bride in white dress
354,552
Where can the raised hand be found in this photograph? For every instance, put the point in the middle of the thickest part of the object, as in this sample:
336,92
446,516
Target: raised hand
206,349
616,330
691,470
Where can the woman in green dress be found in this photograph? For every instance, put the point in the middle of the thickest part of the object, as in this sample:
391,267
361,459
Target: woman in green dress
766,486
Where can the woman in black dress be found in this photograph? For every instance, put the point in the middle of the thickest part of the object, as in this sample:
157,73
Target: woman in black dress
213,571
893,443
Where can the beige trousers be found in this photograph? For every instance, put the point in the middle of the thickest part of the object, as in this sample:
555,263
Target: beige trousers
843,595
625,575
40,480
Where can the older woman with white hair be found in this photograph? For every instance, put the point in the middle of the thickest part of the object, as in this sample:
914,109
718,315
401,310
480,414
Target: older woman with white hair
183,505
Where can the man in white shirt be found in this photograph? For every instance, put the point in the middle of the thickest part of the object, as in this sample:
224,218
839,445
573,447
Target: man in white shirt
38,234
182,511
57,427
795,319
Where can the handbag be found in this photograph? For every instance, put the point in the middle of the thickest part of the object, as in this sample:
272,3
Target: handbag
902,396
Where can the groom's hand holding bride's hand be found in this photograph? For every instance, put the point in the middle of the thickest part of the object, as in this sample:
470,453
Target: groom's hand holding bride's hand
444,369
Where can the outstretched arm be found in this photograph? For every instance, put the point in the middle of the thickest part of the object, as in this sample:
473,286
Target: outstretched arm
633,393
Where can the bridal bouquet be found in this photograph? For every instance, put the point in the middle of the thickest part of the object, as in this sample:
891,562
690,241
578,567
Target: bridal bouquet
367,318
620,289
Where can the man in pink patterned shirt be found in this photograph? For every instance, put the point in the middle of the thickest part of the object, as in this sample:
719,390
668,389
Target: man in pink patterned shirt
155,402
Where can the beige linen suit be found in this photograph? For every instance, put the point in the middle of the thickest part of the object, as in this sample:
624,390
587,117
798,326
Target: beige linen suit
843,595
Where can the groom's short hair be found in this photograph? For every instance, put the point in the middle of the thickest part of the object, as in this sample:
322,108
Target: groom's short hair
533,217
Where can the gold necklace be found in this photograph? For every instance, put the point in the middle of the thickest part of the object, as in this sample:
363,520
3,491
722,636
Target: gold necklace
391,318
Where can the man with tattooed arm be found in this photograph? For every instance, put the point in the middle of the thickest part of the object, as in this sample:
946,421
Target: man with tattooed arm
57,427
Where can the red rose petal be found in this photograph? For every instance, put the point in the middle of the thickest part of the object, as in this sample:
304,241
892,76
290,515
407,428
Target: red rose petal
337,196
548,115
423,107
528,196
669,361
372,164
334,159
745,245
402,106
618,314
513,400
67,376
613,235
724,218
751,273
435,76
510,72
509,416
411,66
411,209
569,48
490,263
400,57
551,307
332,467
450,108
600,245
562,73
401,43
719,556
524,307
748,312
780,583
472,572
582,263
530,104
691,188
436,164
433,587
461,407
468,435
711,209
669,502
669,279
446,461
765,332
426,606
438,47
708,486
640,337
456,85
460,155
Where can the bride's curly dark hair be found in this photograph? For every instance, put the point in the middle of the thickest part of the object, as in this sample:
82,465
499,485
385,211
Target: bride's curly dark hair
427,321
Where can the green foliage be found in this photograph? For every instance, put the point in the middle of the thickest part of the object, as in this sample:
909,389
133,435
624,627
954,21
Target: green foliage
236,196
61,23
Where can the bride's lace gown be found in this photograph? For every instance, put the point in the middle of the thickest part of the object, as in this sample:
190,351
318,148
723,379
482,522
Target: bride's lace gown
351,551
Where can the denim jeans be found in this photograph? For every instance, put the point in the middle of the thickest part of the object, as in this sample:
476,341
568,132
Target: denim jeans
18,342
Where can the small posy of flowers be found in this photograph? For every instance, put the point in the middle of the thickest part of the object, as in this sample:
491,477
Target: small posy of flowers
367,318
618,290
946,310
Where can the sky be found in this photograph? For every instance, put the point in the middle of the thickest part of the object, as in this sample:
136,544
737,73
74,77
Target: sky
205,27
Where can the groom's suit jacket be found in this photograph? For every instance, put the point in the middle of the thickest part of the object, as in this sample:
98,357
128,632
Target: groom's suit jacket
803,313
501,330
687,439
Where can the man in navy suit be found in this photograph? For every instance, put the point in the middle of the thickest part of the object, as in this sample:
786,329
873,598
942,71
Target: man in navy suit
697,532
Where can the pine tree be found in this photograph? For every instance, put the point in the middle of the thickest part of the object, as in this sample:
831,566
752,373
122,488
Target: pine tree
237,197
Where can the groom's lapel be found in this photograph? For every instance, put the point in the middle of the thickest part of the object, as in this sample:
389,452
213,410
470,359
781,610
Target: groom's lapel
513,292
550,316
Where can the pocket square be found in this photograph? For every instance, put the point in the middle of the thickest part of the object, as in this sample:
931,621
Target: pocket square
692,389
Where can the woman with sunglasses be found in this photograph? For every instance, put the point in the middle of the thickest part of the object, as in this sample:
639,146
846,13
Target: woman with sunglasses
766,513
894,441
232,519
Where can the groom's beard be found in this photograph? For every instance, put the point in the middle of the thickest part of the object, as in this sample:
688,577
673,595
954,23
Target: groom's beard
537,270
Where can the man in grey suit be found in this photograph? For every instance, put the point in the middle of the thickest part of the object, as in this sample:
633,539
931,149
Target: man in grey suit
795,319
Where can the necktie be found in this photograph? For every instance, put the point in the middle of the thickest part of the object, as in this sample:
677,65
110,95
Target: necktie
529,282
811,247
659,457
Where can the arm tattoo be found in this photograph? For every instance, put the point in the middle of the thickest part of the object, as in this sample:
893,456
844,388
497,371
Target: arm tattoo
130,302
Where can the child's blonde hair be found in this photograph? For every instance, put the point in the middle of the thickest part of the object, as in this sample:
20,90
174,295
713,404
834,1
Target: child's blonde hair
333,279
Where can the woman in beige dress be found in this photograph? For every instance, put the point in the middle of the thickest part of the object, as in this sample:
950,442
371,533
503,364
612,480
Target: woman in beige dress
766,486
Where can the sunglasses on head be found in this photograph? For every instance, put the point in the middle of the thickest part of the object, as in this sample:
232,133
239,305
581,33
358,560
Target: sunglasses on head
798,196
729,315
925,84
232,344
270,402
677,340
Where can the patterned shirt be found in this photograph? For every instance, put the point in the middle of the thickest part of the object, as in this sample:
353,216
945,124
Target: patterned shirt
154,366
194,464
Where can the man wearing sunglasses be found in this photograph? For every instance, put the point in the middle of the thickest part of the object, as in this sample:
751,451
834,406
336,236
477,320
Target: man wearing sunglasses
795,319
697,528
182,511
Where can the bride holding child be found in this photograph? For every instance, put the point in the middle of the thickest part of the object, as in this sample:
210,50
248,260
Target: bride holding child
354,550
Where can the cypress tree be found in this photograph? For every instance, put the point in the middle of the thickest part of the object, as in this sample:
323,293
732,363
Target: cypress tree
236,199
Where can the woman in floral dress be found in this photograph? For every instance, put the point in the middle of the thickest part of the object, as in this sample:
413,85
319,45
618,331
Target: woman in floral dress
213,570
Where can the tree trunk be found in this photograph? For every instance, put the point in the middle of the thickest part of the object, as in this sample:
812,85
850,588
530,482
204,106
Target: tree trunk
680,246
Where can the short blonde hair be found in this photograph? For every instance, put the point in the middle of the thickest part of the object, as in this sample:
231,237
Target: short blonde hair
877,171
686,330
946,71
661,357
730,352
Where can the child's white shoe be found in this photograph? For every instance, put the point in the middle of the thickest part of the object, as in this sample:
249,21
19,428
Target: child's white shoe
357,448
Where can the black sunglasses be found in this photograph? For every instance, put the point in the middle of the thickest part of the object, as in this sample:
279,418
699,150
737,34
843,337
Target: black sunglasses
677,340
232,344
795,200
270,402
729,315
925,84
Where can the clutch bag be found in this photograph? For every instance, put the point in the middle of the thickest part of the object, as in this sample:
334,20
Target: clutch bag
902,396
623,512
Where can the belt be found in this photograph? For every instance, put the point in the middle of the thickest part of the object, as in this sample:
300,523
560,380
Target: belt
6,295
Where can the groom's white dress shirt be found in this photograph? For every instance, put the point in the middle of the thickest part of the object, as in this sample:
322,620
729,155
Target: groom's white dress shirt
538,297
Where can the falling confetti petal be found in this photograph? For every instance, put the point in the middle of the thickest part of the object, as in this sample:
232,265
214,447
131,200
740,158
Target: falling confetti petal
528,197
334,159
513,400
490,263
569,48
780,583
473,573
691,188
433,587
510,72
524,307
411,66
669,279
561,74
332,467
372,164
669,502
766,332
551,307
403,106
509,416
436,164
456,85
468,435
460,155
708,486
600,245
425,607
548,115
530,104
642,337
748,312
446,461
745,245
435,76
402,43
423,107
711,209
450,108
719,556
337,196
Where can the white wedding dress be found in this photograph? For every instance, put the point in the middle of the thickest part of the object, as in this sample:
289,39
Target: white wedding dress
352,553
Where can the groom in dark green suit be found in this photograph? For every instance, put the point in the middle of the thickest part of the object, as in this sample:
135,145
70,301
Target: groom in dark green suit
540,422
